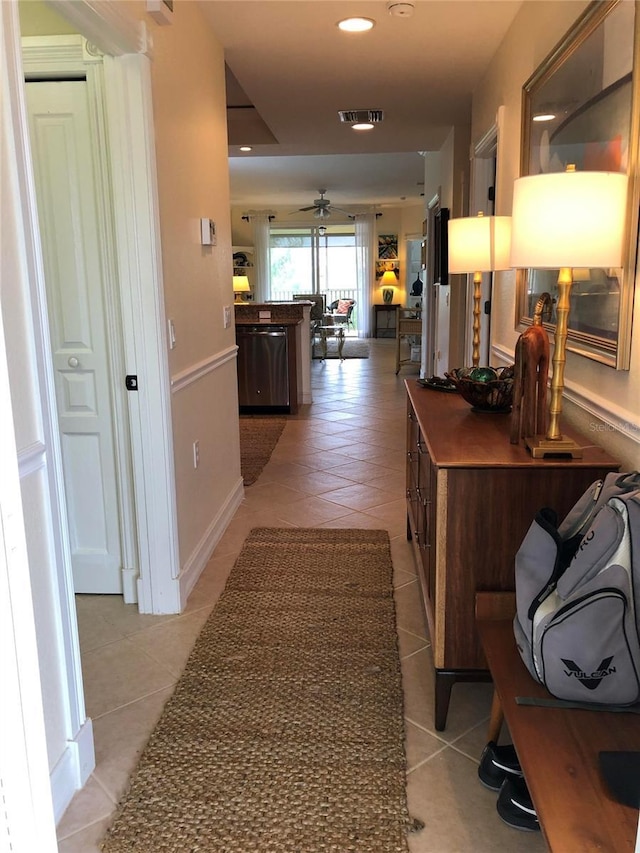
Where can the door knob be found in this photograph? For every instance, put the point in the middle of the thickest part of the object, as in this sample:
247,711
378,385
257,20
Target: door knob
73,361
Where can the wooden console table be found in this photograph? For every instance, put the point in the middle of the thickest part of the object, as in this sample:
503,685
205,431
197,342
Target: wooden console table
471,497
558,752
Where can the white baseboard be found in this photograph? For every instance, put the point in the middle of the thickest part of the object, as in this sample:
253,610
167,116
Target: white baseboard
73,769
201,554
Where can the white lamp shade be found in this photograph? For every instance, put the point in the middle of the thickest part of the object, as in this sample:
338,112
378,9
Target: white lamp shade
479,243
241,284
569,219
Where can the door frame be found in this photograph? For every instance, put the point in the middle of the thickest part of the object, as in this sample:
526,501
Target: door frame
71,57
484,171
121,84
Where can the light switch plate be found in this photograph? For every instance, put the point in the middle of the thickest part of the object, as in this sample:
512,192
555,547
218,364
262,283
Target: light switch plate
226,316
207,232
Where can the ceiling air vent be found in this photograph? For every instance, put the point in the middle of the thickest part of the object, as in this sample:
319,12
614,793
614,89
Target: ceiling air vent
357,116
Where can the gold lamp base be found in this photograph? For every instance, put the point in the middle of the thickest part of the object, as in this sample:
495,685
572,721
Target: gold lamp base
540,446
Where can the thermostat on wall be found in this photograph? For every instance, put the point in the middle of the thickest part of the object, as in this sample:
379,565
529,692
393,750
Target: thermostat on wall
207,232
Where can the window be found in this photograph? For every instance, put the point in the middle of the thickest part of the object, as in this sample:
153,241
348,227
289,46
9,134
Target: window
304,261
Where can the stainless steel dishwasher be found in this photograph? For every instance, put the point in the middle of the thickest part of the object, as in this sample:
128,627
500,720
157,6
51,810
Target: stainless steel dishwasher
263,366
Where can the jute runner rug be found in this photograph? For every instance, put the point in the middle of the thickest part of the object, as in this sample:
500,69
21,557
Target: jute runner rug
285,731
258,437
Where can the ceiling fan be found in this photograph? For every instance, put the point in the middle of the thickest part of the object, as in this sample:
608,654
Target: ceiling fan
322,207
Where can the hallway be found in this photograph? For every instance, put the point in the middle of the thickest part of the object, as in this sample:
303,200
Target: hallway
339,463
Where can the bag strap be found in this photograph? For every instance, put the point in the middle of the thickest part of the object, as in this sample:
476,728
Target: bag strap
582,706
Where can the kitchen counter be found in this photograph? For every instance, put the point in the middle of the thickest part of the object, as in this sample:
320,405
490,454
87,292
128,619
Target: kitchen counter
291,314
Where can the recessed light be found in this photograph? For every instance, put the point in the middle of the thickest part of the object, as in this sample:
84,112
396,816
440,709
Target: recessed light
246,148
356,25
363,125
544,117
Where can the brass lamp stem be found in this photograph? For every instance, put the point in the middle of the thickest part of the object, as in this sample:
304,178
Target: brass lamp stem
565,280
554,443
477,295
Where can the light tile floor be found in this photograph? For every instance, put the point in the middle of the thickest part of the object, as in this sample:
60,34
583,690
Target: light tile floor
339,463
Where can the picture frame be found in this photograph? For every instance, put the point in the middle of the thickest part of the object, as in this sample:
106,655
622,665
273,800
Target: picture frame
580,106
387,247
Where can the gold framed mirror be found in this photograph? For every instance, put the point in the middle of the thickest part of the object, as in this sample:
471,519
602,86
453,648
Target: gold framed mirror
581,106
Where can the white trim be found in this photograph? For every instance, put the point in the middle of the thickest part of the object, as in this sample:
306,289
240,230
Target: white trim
192,374
137,226
201,554
110,26
32,459
26,816
73,769
61,581
53,55
615,418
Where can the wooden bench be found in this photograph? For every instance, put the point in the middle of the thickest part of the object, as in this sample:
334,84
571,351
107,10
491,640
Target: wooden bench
557,748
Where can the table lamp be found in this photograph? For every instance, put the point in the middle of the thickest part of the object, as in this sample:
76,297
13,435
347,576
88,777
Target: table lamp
388,284
566,220
240,286
479,244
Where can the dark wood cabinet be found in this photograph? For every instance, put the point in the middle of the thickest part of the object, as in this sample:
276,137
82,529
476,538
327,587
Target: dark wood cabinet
385,320
471,496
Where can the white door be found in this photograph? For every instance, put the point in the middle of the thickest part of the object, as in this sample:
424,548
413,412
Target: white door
66,192
443,320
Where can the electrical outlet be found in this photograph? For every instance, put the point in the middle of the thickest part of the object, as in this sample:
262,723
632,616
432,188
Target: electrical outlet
196,454
172,334
226,316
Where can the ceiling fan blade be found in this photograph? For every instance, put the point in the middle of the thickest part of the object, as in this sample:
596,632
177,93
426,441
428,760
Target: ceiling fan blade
305,209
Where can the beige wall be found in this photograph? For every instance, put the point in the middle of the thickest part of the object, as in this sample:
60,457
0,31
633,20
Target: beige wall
595,389
38,19
191,149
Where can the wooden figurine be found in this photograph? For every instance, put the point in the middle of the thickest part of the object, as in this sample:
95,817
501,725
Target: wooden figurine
529,412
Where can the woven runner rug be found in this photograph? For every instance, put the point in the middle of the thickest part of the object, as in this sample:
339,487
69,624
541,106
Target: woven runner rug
285,731
258,436
353,348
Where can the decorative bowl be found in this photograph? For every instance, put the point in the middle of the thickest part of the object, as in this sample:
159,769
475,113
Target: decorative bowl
486,389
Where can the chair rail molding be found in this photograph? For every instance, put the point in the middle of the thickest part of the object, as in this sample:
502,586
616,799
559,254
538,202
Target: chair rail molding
611,417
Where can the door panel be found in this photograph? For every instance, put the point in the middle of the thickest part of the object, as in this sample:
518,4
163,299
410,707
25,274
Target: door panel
66,193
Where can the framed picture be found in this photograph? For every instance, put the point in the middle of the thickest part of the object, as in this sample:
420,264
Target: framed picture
580,107
387,247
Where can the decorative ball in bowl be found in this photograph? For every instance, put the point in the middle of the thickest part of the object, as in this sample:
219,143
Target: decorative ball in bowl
487,389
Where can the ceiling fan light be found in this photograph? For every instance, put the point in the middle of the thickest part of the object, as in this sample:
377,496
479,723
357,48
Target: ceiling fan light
356,25
321,213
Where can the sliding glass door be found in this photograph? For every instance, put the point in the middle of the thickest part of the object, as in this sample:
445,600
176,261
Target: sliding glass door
314,259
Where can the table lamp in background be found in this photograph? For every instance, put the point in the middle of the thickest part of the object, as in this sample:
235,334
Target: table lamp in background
566,220
240,286
479,244
388,284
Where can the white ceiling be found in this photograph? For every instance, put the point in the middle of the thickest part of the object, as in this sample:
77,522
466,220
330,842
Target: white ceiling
296,69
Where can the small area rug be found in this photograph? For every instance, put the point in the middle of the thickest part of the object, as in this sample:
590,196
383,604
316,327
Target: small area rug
258,437
353,348
285,731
